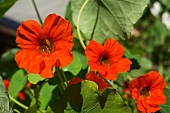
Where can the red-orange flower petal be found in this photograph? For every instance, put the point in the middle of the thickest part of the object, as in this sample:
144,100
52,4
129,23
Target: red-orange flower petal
21,95
6,83
107,59
148,91
75,81
95,78
123,65
44,48
113,50
28,34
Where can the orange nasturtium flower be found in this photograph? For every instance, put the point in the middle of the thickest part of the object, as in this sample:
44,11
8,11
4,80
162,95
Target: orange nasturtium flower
148,91
107,59
42,48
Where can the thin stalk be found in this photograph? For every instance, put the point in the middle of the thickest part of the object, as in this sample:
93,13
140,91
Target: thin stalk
64,75
61,79
78,24
117,83
38,14
17,102
16,111
105,80
29,93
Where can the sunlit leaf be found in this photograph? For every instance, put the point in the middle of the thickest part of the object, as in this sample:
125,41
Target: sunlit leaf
102,19
17,83
45,95
4,99
84,98
34,78
75,65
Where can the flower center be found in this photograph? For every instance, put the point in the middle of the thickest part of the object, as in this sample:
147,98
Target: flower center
144,91
104,61
46,46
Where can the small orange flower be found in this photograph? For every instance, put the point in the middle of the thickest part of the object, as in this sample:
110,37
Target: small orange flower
44,48
95,78
107,59
148,91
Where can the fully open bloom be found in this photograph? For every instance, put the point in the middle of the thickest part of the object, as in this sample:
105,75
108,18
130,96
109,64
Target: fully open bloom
107,59
148,91
99,81
42,48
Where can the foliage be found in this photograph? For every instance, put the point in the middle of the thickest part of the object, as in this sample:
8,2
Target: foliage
144,36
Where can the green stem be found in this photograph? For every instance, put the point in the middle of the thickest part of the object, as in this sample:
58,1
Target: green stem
105,80
17,102
16,111
59,76
64,75
38,14
29,93
117,83
78,24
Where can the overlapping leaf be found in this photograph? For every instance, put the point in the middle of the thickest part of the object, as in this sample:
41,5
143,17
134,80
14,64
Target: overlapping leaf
102,19
84,98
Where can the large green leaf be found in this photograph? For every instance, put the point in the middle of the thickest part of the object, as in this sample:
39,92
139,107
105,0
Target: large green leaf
165,108
102,19
4,99
5,5
84,98
17,82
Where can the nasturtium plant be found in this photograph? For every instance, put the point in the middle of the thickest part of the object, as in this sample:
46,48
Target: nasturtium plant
108,18
106,56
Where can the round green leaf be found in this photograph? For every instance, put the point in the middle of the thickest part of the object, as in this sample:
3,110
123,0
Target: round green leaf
35,78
